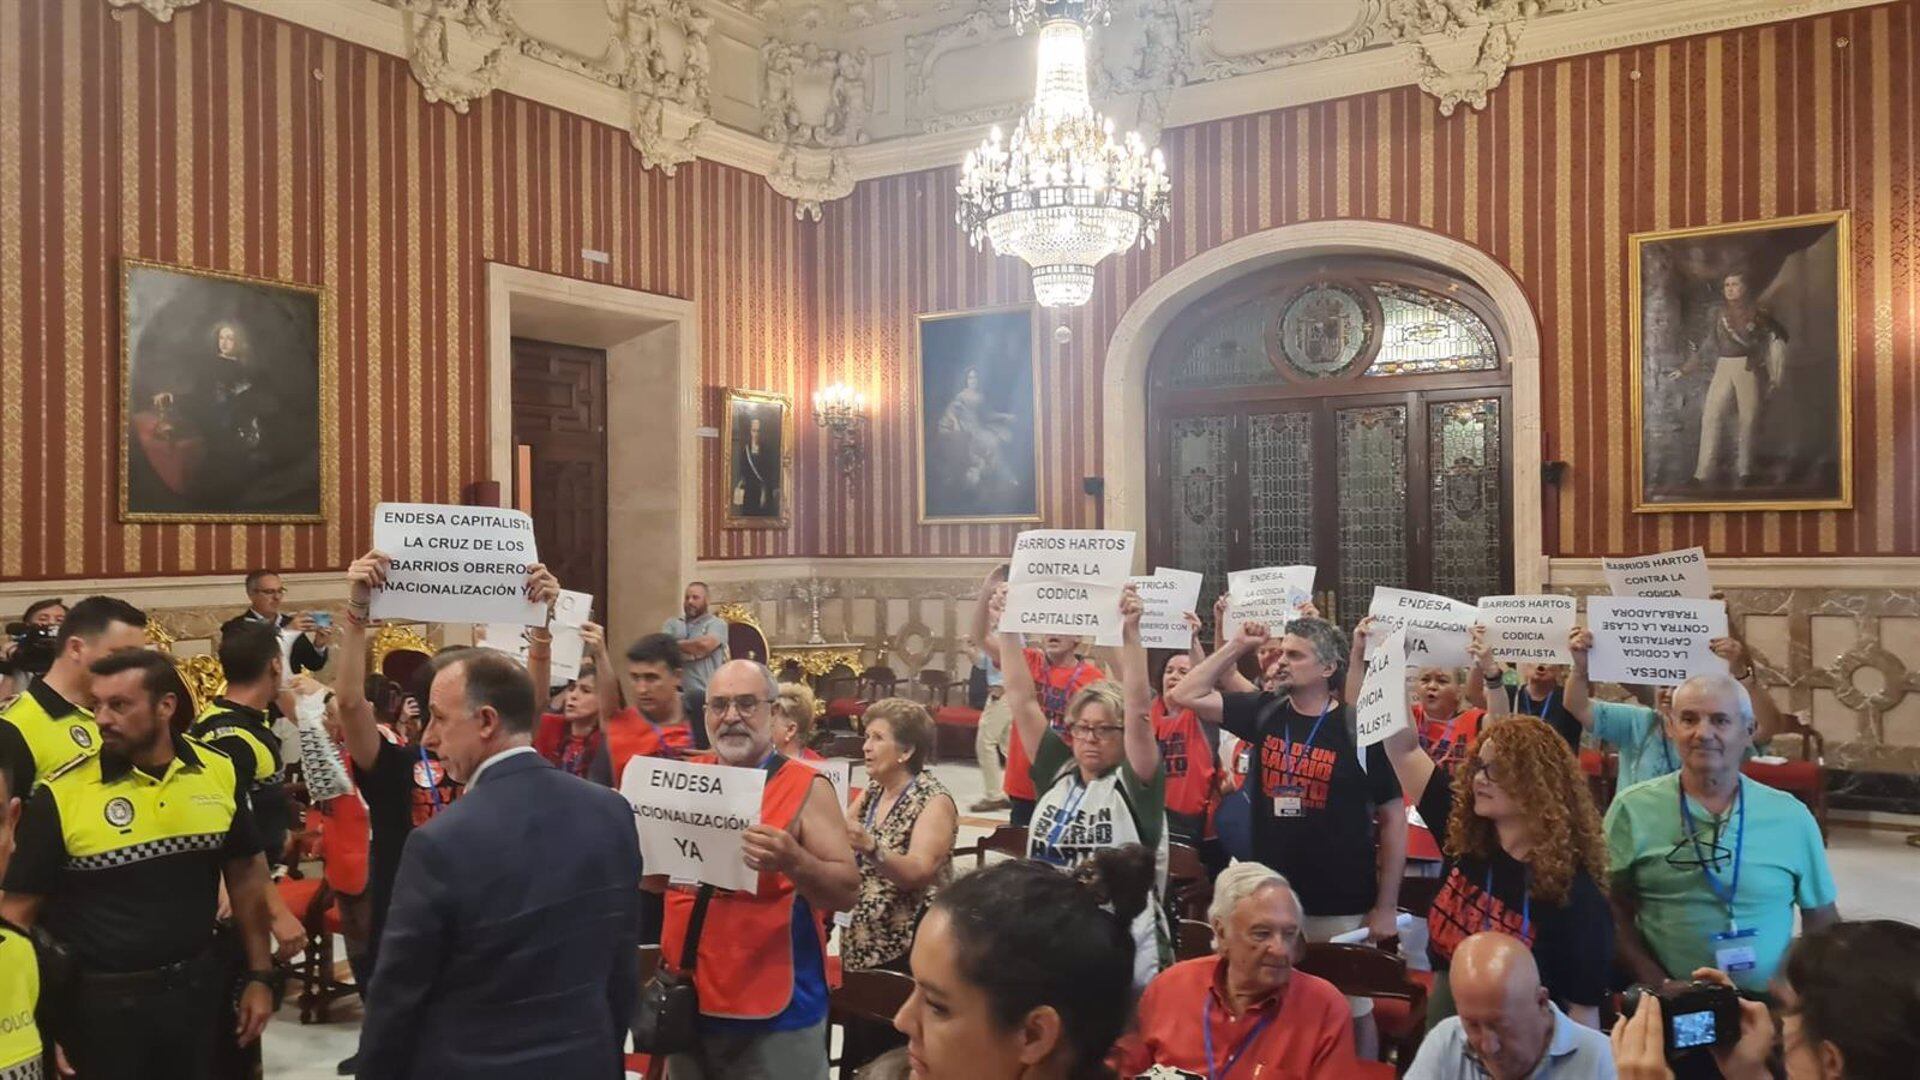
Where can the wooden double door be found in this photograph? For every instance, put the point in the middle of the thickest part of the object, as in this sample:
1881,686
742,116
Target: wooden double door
1400,487
560,439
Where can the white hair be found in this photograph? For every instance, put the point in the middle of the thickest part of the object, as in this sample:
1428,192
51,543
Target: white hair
1716,684
1240,881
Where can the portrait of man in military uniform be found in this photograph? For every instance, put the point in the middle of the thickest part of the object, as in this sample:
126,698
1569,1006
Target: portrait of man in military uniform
223,381
1742,366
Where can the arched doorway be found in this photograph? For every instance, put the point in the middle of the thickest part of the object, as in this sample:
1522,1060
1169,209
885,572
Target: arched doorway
1352,412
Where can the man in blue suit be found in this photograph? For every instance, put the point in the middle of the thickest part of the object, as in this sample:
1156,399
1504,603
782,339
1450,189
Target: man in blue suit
511,946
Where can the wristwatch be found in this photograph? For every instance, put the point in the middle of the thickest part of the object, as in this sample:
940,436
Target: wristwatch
270,979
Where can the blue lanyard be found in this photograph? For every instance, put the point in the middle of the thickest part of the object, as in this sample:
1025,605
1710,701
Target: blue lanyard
1286,775
1233,1055
426,769
1706,865
1067,811
873,801
1526,902
1546,706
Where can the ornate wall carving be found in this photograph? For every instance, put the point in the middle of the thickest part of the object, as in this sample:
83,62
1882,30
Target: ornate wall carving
159,9
457,48
925,50
815,104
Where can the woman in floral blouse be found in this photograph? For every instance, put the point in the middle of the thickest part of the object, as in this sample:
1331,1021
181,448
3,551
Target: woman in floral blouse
903,827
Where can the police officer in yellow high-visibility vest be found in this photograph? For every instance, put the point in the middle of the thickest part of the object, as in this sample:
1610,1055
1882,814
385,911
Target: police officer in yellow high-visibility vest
20,1047
236,724
51,725
120,856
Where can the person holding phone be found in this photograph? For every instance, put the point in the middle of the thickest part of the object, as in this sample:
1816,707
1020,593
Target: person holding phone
266,594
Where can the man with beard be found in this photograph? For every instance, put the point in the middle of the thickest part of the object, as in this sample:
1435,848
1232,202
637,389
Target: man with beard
701,637
120,856
761,971
1338,831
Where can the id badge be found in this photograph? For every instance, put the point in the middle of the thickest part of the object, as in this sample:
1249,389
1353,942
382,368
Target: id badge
843,918
1733,950
1287,803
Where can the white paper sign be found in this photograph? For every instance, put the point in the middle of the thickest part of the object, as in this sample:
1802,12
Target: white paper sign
1068,581
1529,629
1653,641
455,564
287,638
1438,628
1166,599
572,608
839,773
1670,573
567,653
1272,596
1382,708
691,818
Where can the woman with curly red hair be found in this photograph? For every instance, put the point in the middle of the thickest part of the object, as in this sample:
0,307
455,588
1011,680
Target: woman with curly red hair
1524,856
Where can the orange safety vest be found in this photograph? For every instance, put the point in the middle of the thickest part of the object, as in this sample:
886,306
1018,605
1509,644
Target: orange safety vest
745,970
631,735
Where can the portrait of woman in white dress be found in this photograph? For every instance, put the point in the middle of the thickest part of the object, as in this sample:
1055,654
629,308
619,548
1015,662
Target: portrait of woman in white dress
977,406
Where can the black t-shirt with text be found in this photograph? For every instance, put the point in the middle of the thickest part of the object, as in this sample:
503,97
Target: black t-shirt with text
1572,942
1552,709
1327,849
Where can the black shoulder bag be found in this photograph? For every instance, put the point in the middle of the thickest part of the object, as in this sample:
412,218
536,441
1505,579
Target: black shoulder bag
667,1018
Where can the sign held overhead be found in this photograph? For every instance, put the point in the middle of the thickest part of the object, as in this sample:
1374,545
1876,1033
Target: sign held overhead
455,564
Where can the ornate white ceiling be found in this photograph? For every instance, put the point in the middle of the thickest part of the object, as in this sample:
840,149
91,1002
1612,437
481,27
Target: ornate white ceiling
816,94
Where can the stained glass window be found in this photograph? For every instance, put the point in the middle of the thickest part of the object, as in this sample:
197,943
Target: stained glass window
1199,497
1229,352
1425,333
1371,467
1280,467
1463,440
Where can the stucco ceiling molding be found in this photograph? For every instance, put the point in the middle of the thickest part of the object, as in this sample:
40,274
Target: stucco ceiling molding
925,51
814,105
160,9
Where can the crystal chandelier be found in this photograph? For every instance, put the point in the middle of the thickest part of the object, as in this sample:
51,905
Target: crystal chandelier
1064,192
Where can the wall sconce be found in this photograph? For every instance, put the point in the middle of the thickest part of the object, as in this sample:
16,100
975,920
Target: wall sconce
842,410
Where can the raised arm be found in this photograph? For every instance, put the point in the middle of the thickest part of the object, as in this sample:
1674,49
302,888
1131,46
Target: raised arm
1201,689
606,682
1231,682
1413,766
1143,750
1357,661
1029,719
1486,673
367,573
1579,691
543,588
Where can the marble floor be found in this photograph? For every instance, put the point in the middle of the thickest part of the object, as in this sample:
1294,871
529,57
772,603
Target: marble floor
1877,874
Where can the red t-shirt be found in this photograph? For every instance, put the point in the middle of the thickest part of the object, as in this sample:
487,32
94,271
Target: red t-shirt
1056,686
1189,758
557,743
630,735
1308,1032
1447,741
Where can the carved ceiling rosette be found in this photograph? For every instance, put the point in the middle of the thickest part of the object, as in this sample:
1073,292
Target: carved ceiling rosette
1463,48
666,71
815,104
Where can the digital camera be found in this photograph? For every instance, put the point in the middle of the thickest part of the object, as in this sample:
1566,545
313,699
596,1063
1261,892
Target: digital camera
1697,1015
33,647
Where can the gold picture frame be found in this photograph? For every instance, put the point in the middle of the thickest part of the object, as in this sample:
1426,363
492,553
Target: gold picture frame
744,497
1709,440
168,312
972,453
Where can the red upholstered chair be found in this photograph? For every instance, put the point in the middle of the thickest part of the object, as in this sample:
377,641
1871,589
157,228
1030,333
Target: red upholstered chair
1192,939
311,901
1804,779
954,728
1602,768
936,686
1399,1003
840,689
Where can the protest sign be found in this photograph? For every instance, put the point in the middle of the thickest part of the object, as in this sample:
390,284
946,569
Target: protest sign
691,818
1272,596
839,773
455,564
1382,708
1529,629
1166,599
572,608
565,657
1067,581
1438,628
1670,573
1653,641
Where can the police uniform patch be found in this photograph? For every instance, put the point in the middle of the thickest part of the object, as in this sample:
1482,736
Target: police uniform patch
82,738
119,812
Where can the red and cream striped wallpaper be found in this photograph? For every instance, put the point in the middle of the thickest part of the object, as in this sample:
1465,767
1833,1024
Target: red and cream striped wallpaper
229,140
1569,158
236,142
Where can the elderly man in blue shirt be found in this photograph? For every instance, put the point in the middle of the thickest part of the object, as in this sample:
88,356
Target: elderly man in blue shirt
1506,1025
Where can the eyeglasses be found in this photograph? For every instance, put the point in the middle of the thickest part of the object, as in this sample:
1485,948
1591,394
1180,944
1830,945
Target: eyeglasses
746,703
1096,731
1477,766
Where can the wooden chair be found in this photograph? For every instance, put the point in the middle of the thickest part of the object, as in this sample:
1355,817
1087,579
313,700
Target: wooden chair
937,686
1009,840
311,901
863,1005
1188,889
878,682
1804,779
840,689
1192,938
745,638
1400,1004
